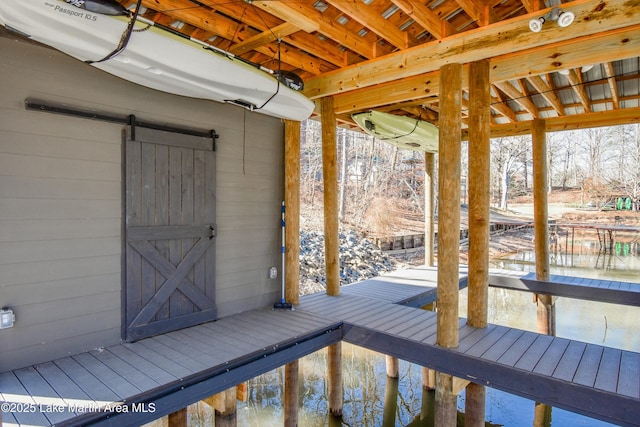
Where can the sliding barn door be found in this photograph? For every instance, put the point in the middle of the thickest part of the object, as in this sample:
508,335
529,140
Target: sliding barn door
169,232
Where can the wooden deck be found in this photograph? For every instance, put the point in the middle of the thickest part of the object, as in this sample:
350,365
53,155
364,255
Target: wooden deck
611,291
159,375
592,380
130,384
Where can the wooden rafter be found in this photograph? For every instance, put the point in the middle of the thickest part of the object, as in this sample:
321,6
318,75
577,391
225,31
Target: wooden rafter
373,21
613,86
428,20
520,98
547,92
479,11
470,46
575,80
347,49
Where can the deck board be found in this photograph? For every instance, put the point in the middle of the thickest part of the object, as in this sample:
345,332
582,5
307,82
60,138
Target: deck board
42,393
608,371
380,317
568,364
588,367
628,383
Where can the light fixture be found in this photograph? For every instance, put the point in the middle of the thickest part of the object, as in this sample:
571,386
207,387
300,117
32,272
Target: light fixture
535,25
563,18
6,318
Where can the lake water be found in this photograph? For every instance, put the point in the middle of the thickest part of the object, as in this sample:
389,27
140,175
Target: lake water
372,399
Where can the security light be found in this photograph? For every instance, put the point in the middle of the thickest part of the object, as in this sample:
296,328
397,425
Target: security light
535,25
563,18
6,318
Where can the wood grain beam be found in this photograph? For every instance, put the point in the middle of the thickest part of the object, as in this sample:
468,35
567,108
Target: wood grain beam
593,17
368,18
582,121
521,98
575,80
613,86
424,17
547,93
479,11
264,38
310,20
532,5
614,45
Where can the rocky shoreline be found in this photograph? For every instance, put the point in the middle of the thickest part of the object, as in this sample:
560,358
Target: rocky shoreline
360,259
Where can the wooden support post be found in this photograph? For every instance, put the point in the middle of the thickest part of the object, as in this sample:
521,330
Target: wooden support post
449,204
479,166
336,393
330,180
227,417
178,418
292,210
449,149
446,401
393,367
291,394
429,208
545,303
428,379
390,402
474,406
479,222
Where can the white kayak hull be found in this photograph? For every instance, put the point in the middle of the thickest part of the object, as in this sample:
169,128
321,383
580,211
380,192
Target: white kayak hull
403,132
153,58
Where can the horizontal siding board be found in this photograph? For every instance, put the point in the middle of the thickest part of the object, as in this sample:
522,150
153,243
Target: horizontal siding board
57,290
22,230
22,273
45,209
23,141
43,167
47,336
63,249
22,187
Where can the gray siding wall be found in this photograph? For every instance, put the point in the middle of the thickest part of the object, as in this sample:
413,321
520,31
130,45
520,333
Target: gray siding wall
61,207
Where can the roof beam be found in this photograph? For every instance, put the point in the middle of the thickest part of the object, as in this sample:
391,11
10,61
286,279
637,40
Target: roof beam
309,20
521,98
606,47
580,121
575,79
263,38
532,5
613,86
547,92
593,17
479,11
370,19
426,18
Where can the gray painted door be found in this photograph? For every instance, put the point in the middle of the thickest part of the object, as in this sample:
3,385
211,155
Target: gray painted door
169,255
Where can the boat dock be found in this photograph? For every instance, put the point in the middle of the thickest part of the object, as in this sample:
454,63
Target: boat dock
137,382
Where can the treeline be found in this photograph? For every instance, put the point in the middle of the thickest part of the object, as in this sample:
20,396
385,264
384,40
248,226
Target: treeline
376,179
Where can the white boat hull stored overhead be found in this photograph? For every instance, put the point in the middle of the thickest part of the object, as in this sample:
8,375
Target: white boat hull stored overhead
403,132
152,56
